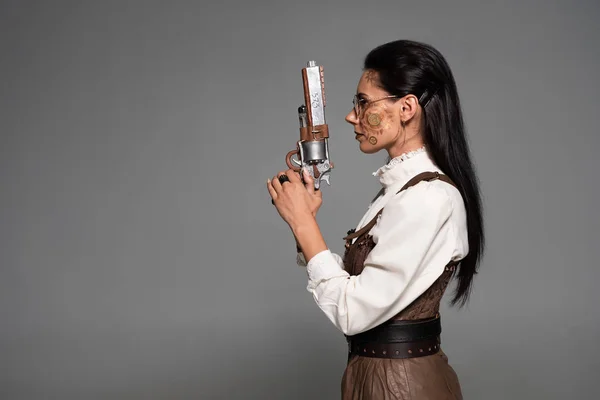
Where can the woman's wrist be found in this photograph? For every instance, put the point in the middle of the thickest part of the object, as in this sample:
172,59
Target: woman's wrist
302,221
309,238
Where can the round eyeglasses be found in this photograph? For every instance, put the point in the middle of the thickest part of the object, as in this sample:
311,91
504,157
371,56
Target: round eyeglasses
360,105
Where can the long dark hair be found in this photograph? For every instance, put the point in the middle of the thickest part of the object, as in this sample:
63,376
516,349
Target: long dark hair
408,67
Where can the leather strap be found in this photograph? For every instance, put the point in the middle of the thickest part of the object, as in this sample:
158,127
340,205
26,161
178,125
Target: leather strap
424,176
317,132
401,331
394,350
398,339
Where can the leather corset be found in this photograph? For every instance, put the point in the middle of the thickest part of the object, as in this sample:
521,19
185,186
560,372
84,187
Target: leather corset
427,305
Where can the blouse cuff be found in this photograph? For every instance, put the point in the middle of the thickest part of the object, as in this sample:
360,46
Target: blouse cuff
323,266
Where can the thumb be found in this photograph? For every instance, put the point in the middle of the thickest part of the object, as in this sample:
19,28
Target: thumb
309,182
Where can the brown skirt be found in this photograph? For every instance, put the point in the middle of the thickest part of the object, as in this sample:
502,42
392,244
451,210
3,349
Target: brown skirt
419,378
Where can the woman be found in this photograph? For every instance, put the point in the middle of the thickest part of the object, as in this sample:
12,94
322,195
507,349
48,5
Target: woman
422,229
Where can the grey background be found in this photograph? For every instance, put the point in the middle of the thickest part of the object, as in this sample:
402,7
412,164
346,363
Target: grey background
141,257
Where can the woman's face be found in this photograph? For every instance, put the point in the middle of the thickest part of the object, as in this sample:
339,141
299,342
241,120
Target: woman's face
377,125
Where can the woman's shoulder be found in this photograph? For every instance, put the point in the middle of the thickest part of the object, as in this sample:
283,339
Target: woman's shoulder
427,204
424,193
426,198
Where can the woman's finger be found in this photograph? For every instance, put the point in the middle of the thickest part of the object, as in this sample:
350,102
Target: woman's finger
309,183
271,190
276,184
293,176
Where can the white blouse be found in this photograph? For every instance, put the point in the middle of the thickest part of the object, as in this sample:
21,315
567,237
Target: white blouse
419,231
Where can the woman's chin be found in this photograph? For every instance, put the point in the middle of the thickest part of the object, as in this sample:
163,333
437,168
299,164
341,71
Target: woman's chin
366,147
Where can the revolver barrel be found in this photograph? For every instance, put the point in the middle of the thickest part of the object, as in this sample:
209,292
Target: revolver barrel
313,147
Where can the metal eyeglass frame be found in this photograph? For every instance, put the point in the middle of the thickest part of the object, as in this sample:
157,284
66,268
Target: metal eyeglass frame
364,103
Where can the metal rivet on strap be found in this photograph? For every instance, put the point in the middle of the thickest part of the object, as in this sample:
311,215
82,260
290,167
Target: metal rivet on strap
364,350
421,350
384,352
397,352
373,351
430,349
410,352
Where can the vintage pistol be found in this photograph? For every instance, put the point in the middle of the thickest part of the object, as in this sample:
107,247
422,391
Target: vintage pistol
312,150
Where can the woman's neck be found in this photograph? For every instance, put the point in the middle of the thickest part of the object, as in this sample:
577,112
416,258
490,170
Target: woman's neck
411,145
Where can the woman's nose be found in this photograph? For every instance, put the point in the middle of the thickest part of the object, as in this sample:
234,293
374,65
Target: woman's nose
351,117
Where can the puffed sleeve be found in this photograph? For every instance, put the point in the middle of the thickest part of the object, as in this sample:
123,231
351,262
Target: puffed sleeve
413,243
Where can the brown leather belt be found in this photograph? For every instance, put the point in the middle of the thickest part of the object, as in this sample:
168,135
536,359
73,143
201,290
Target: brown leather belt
398,339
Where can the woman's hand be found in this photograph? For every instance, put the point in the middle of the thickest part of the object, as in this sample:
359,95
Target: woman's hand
294,200
315,196
298,203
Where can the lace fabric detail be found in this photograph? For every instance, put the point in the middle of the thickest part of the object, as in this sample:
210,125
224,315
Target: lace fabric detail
396,160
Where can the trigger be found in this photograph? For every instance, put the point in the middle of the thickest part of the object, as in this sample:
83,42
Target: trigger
297,162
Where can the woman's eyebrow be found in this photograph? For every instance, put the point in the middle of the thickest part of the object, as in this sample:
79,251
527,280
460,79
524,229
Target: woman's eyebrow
362,95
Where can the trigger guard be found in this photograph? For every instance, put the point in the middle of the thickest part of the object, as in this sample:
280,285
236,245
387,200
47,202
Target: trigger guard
289,159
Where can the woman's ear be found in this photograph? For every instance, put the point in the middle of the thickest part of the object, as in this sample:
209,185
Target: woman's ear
408,107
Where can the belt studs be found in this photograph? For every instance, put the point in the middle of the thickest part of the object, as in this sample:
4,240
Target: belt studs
365,350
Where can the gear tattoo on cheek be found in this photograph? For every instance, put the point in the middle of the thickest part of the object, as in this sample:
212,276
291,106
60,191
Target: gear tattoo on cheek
376,121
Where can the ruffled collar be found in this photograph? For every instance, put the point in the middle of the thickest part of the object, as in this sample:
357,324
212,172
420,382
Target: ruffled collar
402,168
